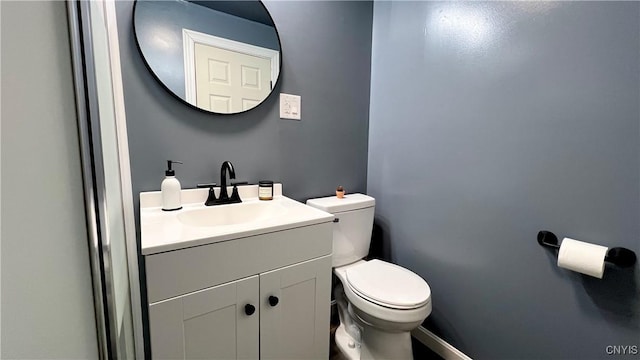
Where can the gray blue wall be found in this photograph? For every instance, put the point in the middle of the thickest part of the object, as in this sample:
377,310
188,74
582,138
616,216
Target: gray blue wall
489,122
159,27
47,297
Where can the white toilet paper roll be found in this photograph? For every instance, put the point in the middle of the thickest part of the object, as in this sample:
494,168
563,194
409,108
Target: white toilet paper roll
582,257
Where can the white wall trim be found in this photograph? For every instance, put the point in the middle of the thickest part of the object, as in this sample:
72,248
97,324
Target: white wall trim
437,345
125,176
190,38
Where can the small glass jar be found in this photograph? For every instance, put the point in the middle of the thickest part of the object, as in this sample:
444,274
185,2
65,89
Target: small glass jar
265,190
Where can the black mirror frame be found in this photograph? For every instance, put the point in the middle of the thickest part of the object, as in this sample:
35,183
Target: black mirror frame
146,64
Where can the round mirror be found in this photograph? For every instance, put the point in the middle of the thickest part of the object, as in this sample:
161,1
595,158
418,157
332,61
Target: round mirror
218,56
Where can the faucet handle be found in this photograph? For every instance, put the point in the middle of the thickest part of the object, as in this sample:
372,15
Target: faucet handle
235,196
211,198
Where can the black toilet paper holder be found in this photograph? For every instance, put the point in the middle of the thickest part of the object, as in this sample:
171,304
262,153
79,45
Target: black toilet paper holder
618,256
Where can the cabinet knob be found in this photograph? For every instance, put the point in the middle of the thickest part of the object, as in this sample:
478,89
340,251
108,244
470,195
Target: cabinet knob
273,300
249,309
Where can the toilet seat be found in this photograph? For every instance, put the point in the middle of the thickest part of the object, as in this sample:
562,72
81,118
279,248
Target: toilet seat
385,316
388,285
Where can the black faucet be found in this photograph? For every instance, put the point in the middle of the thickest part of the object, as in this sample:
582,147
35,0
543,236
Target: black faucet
224,197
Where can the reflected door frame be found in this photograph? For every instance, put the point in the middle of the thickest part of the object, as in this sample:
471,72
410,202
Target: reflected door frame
190,38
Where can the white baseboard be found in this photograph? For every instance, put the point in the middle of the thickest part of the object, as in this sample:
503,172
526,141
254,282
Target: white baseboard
437,345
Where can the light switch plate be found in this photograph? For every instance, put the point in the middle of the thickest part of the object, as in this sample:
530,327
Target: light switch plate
289,106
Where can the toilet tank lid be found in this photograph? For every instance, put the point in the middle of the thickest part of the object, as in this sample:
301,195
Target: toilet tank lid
332,204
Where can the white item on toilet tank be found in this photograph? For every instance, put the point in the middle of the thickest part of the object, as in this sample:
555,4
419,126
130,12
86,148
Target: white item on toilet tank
353,225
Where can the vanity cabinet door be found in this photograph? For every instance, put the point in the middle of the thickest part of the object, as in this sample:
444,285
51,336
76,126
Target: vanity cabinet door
295,310
221,322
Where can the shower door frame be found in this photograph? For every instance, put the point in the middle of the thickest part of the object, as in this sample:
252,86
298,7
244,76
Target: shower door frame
93,171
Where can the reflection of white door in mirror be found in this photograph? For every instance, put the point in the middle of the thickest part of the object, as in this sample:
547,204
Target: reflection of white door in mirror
226,76
229,81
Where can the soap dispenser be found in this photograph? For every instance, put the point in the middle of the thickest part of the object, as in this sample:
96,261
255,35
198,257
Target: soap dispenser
170,189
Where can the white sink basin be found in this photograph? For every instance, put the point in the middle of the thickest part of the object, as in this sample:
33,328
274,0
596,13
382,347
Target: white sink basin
196,224
232,214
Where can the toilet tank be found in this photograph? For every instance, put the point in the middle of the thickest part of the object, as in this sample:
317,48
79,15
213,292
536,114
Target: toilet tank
352,230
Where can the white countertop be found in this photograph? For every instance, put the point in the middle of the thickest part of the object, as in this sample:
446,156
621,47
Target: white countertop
163,231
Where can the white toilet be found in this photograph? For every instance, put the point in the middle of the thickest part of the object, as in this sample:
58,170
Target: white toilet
384,302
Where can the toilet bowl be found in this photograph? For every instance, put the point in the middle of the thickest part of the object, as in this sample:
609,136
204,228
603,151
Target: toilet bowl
379,303
387,302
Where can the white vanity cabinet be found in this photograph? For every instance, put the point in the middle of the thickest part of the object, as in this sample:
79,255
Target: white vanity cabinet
258,297
208,324
296,325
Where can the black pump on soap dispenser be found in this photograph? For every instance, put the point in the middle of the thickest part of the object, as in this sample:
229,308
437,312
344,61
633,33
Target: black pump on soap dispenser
170,189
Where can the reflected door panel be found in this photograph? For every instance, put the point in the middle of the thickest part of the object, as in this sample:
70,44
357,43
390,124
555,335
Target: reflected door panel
229,81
